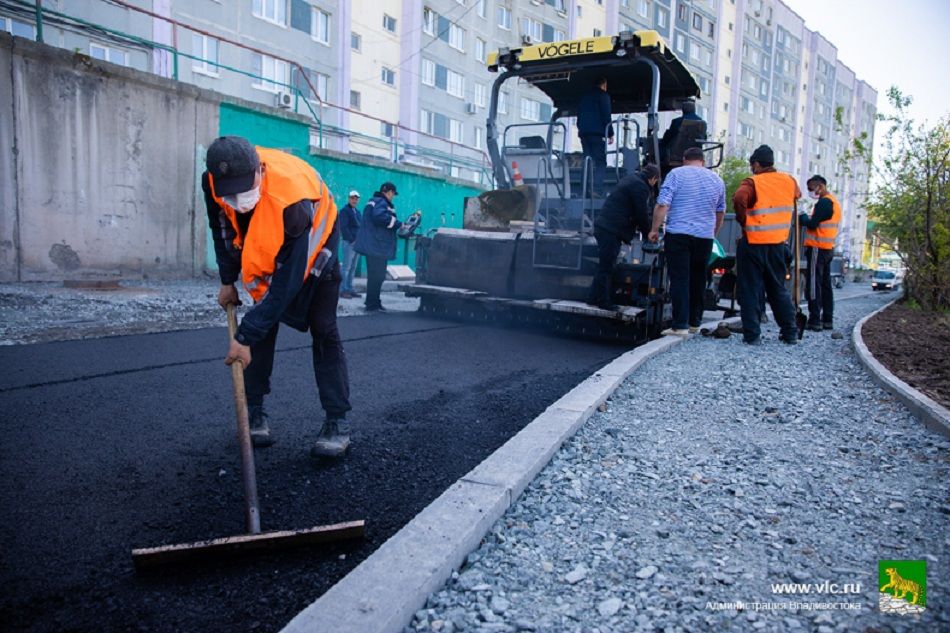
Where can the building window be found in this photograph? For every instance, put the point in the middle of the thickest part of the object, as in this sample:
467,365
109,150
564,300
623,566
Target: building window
680,43
271,73
108,54
478,138
597,33
455,131
504,18
662,17
456,37
503,102
320,26
387,129
207,49
303,82
531,28
479,49
389,23
481,95
482,10
712,30
697,22
388,76
530,110
643,9
559,35
271,10
356,42
16,27
428,72
681,12
580,12
355,99
455,84
429,19
695,53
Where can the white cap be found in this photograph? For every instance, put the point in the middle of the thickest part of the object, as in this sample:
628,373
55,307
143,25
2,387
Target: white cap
355,193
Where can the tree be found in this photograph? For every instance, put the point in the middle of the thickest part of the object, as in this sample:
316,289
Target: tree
733,171
910,201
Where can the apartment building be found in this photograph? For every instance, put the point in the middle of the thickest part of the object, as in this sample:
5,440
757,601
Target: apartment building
406,79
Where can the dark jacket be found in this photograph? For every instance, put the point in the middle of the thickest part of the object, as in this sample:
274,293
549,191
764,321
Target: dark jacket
288,297
377,233
593,114
670,135
823,212
627,209
349,222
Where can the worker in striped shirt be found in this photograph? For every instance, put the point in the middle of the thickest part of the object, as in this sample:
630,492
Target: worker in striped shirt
692,200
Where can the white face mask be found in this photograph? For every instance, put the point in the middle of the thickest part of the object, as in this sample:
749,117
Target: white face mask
244,202
814,195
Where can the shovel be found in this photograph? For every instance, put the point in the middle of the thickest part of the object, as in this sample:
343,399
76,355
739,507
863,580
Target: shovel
254,539
800,319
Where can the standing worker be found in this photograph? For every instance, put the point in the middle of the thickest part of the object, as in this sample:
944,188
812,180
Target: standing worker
376,239
821,231
693,202
764,205
349,225
595,130
626,211
273,223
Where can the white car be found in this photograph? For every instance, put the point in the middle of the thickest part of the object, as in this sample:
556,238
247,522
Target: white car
887,279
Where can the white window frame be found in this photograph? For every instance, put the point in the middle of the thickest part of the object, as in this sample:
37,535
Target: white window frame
359,100
530,109
503,98
6,24
429,21
269,71
680,40
107,53
428,72
270,11
389,20
481,94
356,37
316,15
503,17
202,67
456,37
481,46
479,138
455,83
427,121
643,8
482,9
559,35
456,131
386,71
662,17
532,28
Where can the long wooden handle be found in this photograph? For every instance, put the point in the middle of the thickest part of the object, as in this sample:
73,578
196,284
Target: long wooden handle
797,273
252,509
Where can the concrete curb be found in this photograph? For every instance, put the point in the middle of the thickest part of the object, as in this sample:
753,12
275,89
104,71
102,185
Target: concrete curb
935,416
384,591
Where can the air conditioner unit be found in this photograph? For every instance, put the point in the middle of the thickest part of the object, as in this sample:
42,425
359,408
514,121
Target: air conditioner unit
284,100
526,40
471,108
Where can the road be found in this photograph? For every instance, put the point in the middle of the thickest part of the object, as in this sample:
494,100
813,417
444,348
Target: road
125,442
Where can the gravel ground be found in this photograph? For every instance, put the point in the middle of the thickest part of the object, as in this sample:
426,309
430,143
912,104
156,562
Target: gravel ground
41,312
716,470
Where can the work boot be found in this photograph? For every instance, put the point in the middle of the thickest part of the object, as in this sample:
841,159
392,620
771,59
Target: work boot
333,440
813,326
827,325
260,432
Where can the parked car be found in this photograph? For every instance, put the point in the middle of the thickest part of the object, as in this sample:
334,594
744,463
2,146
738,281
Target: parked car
887,279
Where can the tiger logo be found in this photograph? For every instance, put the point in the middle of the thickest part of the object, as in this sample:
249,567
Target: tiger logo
900,587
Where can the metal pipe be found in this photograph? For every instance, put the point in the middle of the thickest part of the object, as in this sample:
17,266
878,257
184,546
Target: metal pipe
39,21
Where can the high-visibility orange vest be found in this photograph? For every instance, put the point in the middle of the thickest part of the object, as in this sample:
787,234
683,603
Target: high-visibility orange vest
286,181
827,232
768,221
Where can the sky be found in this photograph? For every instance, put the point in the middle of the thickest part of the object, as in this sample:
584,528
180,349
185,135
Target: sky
889,43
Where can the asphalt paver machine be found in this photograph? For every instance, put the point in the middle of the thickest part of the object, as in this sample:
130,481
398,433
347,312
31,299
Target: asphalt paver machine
526,253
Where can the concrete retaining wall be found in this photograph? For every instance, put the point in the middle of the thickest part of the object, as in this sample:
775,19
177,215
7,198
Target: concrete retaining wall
104,161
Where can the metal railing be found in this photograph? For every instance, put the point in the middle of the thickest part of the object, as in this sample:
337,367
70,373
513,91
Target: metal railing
307,100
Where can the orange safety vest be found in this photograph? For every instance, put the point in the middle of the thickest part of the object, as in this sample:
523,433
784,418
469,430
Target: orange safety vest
768,221
286,181
827,232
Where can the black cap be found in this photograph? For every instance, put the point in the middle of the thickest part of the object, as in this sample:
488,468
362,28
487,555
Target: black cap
694,153
388,186
232,162
763,155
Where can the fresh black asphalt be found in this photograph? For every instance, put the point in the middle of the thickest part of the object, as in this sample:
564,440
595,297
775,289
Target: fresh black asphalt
124,442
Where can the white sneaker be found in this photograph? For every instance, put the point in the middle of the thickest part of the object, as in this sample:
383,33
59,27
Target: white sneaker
676,332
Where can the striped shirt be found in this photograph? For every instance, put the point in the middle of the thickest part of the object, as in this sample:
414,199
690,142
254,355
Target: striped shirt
694,195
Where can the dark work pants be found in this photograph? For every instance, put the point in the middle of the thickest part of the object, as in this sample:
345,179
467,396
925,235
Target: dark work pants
687,257
375,275
762,267
821,299
608,247
329,359
596,148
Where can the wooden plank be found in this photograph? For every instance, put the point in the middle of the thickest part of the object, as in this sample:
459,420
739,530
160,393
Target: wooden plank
414,289
625,313
147,557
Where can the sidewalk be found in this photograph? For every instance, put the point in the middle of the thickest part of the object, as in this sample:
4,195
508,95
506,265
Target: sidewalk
39,312
717,471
